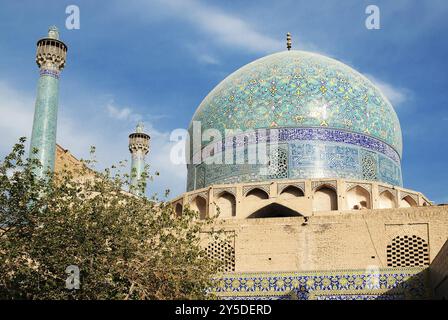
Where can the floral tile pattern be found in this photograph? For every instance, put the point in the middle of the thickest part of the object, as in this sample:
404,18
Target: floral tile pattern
387,284
309,98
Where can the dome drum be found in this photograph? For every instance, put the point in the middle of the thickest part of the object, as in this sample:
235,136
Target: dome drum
301,153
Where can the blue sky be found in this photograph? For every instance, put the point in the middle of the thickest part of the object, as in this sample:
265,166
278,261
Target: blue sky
156,60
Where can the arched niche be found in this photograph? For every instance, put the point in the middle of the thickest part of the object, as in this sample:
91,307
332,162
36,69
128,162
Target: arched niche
358,198
407,202
199,204
291,192
274,210
325,199
178,209
386,200
226,203
257,194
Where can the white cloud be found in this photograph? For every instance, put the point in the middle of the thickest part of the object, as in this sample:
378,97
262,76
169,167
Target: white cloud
16,110
124,113
202,54
16,120
396,95
118,114
207,59
224,28
172,176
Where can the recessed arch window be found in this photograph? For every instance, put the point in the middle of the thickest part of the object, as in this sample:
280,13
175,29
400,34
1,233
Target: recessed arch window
226,203
199,204
387,200
178,209
358,198
325,199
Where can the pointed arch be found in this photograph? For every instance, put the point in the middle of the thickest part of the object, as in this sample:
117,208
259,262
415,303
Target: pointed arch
257,194
407,202
386,200
358,198
274,210
226,202
325,199
291,192
199,204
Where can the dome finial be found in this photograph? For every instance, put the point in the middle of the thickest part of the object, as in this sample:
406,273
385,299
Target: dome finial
53,32
140,127
288,41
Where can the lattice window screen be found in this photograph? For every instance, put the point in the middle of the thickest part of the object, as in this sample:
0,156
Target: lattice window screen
407,251
223,250
278,164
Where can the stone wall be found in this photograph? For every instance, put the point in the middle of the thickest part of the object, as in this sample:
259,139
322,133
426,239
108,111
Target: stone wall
361,239
66,161
439,273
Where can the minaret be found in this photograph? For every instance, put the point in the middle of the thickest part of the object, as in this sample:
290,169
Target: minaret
50,57
139,147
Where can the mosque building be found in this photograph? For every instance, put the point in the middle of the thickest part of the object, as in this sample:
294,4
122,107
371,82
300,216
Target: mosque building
324,214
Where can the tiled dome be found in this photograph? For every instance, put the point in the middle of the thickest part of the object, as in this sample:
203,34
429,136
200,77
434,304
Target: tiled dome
311,98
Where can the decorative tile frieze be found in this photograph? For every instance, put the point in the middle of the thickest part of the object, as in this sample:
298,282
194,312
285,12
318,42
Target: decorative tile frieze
392,283
264,187
404,194
283,186
381,189
366,186
49,72
317,184
218,191
203,194
309,134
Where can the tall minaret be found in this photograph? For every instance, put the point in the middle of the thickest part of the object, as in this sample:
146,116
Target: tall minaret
50,57
139,147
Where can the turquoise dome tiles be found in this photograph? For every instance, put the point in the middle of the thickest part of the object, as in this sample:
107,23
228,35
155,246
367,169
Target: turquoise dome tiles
300,89
330,122
43,137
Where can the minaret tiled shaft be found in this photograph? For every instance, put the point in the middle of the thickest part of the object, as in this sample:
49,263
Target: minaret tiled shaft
50,57
139,147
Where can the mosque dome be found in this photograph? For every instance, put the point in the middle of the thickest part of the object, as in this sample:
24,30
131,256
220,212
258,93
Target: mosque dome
332,122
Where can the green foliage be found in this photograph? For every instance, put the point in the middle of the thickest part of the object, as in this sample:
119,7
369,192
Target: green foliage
126,247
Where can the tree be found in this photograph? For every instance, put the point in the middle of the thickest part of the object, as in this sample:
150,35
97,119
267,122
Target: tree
126,247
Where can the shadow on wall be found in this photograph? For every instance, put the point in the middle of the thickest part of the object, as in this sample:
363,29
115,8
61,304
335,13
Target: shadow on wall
386,284
274,210
416,287
438,274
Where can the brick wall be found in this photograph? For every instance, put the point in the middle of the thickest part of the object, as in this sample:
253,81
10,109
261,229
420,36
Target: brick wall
347,240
